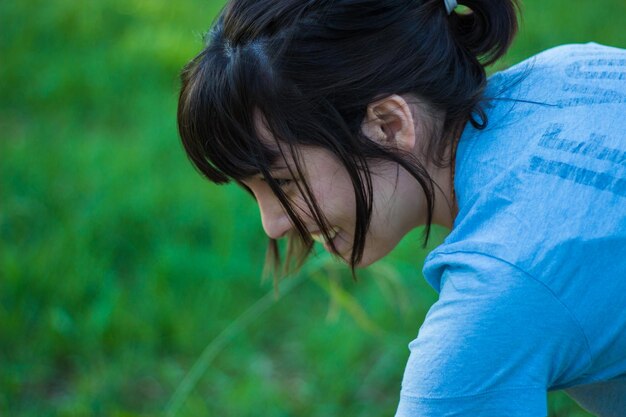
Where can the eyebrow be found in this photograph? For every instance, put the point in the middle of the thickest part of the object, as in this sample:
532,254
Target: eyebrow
272,171
279,168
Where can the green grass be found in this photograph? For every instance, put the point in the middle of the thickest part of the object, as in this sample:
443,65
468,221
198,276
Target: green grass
119,264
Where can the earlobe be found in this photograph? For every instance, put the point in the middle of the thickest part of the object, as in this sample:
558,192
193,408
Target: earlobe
389,122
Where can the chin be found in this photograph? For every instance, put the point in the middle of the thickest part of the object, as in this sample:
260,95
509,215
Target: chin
369,257
367,260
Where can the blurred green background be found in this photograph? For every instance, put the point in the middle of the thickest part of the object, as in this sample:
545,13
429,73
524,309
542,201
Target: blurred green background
119,265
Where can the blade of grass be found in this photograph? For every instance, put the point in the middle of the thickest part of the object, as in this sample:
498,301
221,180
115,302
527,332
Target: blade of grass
239,324
330,284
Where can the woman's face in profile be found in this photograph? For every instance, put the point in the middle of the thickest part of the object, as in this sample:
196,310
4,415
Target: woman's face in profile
398,203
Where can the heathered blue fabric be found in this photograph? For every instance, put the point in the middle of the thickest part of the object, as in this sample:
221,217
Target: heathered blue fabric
532,278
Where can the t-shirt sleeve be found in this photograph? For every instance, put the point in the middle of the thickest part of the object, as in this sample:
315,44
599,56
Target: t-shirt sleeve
492,345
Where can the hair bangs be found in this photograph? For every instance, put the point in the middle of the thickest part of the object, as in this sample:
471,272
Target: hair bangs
220,89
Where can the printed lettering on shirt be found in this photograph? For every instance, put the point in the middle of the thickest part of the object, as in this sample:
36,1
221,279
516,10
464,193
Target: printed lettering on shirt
598,180
589,95
597,69
551,140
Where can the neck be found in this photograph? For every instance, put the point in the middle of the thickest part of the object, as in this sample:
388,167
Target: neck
446,206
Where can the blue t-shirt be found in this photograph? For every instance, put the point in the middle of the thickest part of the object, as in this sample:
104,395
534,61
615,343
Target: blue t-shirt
532,278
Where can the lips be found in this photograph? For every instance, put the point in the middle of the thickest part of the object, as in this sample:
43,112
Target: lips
319,237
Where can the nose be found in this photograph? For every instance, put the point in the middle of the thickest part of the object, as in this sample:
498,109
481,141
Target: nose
275,220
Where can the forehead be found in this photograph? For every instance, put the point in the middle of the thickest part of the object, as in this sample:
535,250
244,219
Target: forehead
308,157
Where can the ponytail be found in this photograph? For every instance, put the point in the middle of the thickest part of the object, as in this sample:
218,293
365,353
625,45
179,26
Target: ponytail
488,30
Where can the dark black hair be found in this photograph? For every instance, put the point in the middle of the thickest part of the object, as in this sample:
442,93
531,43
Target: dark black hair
311,68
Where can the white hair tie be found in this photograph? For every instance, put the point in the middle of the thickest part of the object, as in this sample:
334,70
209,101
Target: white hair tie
450,5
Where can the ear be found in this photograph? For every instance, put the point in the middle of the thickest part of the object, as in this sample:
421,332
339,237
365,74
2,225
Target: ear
389,122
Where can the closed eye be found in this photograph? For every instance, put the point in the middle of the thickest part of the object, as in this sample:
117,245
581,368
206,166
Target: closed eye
282,176
283,182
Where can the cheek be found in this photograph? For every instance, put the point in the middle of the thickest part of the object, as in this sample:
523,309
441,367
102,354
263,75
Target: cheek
336,198
302,209
333,192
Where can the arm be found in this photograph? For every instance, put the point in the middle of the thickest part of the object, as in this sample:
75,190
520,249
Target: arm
491,346
606,399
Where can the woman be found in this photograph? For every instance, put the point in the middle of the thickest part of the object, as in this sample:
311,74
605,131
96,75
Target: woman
352,122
